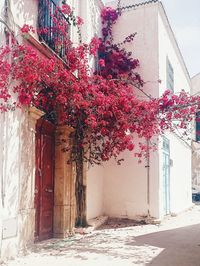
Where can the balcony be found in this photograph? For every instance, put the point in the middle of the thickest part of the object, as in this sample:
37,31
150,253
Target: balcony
53,27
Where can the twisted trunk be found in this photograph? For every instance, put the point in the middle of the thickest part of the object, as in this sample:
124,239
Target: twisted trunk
80,186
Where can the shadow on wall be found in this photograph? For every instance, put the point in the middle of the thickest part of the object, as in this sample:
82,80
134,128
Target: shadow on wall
11,162
26,221
25,11
10,185
19,213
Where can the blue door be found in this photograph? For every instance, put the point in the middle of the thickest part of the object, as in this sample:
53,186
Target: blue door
166,176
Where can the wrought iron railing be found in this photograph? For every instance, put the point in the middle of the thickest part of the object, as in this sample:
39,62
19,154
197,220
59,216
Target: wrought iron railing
53,27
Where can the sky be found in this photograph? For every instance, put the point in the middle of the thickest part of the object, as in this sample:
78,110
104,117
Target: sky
184,17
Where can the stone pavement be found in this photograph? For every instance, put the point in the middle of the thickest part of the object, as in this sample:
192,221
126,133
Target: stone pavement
175,242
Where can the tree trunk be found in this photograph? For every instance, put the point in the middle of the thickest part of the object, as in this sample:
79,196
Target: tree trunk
80,190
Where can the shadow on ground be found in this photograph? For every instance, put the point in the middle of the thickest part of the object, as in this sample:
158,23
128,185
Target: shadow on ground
177,247
115,223
180,246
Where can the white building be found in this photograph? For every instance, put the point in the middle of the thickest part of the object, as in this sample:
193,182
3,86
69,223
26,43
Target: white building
164,185
23,215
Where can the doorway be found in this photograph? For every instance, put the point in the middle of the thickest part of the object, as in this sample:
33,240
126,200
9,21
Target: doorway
44,179
166,176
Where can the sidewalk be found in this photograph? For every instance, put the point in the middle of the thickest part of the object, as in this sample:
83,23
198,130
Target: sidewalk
175,242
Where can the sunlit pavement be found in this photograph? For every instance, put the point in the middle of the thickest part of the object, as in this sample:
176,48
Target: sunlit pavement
176,242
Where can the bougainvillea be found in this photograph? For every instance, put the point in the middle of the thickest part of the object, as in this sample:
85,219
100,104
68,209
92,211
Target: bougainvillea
105,110
114,60
102,107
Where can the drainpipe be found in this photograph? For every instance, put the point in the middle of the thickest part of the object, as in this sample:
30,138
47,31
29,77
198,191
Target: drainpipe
148,177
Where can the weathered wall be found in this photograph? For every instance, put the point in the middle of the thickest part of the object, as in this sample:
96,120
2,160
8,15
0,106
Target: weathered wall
23,12
90,11
18,176
10,180
17,156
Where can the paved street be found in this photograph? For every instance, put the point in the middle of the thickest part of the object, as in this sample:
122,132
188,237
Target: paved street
176,242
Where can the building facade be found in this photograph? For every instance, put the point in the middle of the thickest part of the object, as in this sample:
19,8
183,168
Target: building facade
37,199
162,184
31,209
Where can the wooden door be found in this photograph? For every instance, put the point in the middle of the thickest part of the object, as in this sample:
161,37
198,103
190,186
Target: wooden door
44,182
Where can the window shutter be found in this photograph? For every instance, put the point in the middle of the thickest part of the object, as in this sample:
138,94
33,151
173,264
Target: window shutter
170,75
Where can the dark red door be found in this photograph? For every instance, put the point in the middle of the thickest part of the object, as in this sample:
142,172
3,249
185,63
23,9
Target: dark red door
44,183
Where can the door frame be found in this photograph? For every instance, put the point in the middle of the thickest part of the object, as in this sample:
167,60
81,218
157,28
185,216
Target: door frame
43,127
166,176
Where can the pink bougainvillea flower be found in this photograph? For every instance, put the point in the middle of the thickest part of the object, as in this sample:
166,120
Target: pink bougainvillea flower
27,28
101,62
79,21
94,45
109,13
66,9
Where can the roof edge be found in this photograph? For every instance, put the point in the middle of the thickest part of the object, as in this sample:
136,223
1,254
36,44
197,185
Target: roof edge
198,74
123,8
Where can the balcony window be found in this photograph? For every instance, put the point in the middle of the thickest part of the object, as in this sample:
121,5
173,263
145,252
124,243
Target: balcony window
53,27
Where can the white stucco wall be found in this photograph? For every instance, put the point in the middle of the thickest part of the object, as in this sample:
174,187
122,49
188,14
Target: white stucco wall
17,181
90,11
180,175
25,12
180,154
16,169
95,186
10,176
196,84
168,48
143,21
126,186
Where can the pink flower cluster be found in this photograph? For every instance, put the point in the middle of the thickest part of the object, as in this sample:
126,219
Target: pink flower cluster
79,21
66,9
27,28
109,13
